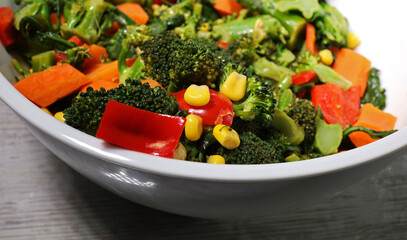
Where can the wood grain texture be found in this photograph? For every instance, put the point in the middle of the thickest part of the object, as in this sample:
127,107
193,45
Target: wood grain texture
42,198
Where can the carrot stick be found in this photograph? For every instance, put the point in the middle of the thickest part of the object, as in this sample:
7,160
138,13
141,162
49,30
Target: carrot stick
373,118
311,39
353,67
134,11
227,7
97,52
8,34
107,85
152,83
46,87
103,72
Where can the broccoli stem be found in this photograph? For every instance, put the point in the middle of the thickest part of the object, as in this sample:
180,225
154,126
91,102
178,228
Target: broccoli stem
43,61
135,71
328,137
372,133
294,24
234,29
83,20
35,7
20,69
281,121
328,75
270,70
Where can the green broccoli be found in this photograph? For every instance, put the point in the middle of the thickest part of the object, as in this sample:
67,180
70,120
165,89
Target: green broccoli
83,19
87,109
32,8
253,150
170,59
259,100
249,51
331,27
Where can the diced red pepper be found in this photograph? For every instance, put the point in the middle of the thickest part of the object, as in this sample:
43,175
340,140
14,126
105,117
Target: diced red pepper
75,40
223,45
8,34
219,110
59,56
310,39
337,105
140,130
303,77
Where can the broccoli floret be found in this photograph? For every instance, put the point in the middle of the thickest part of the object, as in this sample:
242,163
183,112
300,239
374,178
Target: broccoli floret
331,26
83,19
253,150
170,59
87,109
258,103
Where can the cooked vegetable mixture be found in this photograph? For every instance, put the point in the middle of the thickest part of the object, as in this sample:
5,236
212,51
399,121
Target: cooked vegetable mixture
216,81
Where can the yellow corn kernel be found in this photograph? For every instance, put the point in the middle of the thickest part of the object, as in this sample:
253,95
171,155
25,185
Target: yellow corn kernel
353,40
205,27
226,136
235,86
326,57
193,127
197,95
59,116
216,159
180,152
46,110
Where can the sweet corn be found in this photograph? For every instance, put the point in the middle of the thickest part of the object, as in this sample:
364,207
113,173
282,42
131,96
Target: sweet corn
226,136
353,40
193,127
46,110
216,159
60,116
235,86
197,95
326,57
180,152
205,27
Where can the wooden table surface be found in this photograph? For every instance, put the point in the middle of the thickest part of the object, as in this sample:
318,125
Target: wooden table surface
42,198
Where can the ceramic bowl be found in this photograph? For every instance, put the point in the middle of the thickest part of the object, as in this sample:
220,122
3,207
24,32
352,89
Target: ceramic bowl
236,191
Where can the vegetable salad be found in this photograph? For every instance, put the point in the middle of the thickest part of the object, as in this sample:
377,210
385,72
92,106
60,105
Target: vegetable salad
216,81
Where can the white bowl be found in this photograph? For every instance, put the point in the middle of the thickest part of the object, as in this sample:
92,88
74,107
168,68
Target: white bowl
235,191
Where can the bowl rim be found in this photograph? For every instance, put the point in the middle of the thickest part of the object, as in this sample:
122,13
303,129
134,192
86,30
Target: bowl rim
193,170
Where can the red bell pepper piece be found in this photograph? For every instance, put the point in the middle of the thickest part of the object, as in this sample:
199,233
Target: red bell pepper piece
219,110
140,130
8,34
59,56
310,39
223,45
303,77
75,40
337,105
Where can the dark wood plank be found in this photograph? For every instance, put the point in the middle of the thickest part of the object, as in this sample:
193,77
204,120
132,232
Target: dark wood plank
42,198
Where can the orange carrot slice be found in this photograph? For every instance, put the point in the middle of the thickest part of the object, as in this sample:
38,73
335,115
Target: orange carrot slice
97,52
135,11
373,118
227,7
46,87
103,72
353,67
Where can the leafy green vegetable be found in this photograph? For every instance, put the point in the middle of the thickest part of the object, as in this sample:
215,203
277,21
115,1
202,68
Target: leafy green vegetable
374,93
